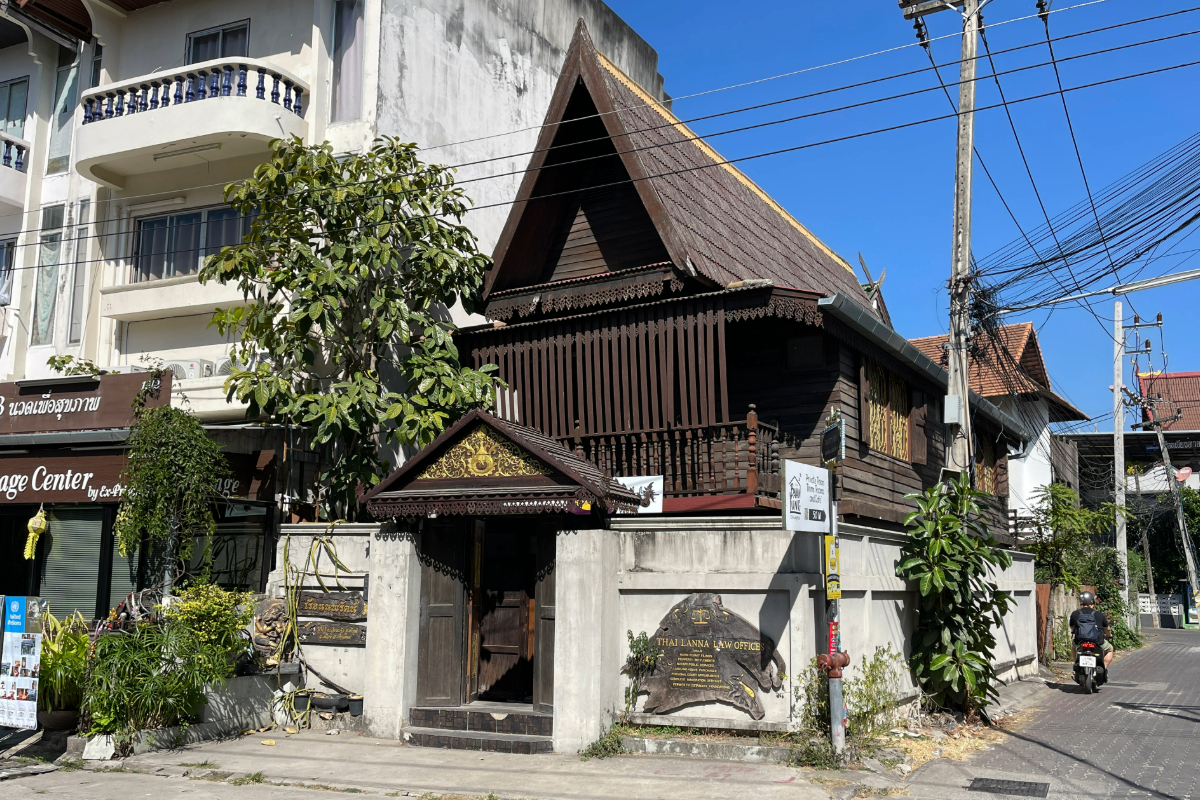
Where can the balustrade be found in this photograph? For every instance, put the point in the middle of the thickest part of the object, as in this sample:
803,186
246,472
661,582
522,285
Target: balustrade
740,457
15,151
208,81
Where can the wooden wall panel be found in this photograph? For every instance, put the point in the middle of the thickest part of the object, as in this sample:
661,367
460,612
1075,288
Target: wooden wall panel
626,371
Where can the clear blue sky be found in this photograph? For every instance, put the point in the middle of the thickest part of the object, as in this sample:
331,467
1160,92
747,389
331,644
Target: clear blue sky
890,196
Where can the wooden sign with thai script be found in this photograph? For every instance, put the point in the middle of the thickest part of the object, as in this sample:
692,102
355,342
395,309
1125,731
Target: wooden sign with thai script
339,634
709,654
345,606
86,404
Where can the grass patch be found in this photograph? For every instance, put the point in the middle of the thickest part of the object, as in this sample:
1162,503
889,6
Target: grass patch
606,746
206,764
70,764
119,768
891,791
248,778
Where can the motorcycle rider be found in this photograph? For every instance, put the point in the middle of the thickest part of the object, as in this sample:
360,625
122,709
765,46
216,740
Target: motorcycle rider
1091,616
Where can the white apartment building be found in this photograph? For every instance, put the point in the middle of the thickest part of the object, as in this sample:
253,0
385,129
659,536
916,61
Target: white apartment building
128,118
121,122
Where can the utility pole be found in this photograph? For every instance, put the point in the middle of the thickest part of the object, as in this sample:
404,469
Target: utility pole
1137,485
1153,420
1119,443
1188,554
958,389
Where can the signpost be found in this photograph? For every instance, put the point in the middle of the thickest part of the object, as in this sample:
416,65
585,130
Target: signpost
810,505
1183,474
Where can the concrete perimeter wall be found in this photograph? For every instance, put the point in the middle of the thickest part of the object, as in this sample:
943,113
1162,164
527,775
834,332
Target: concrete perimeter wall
627,578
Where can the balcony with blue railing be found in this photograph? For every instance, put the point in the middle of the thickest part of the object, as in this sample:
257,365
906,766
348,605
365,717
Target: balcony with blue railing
219,109
14,155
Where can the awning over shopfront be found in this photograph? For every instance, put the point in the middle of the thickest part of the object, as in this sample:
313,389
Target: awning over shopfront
484,465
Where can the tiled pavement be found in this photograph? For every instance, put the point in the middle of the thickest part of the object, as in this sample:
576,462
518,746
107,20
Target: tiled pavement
1138,738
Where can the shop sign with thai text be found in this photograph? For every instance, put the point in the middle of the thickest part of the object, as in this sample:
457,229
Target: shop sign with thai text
344,606
89,404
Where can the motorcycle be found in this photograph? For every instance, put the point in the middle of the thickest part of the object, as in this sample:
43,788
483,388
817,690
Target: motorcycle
1089,667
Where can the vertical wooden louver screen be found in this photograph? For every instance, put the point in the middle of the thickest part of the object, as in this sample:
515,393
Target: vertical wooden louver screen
638,370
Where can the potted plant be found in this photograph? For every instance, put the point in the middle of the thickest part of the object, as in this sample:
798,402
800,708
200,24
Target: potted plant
63,669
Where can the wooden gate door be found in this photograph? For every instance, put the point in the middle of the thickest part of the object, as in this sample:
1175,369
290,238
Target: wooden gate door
543,656
443,589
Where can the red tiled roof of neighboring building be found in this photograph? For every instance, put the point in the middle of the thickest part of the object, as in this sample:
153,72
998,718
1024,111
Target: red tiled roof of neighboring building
1181,393
1012,364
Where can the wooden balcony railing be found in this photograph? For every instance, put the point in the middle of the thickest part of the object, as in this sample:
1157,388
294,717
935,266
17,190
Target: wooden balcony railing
739,457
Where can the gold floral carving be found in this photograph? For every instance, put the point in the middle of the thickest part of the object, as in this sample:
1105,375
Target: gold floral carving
484,454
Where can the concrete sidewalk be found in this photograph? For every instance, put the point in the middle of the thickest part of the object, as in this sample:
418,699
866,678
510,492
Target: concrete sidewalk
385,766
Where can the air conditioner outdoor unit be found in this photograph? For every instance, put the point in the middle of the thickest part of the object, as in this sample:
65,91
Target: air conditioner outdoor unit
125,369
192,368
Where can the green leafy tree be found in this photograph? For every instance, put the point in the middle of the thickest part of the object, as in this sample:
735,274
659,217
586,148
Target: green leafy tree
1168,562
948,556
170,482
347,273
1063,534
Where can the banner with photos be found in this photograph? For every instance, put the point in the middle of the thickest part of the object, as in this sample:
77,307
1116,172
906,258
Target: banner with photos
20,662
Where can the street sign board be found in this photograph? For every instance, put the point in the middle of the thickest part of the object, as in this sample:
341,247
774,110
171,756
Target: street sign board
805,498
1183,474
833,442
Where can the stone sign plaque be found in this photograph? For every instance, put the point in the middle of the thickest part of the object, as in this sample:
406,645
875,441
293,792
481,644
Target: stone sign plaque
709,654
339,634
344,606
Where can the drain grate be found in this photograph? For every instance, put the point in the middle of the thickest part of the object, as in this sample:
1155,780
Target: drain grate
1017,788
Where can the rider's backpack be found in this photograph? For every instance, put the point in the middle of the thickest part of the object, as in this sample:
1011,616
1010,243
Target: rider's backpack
1086,629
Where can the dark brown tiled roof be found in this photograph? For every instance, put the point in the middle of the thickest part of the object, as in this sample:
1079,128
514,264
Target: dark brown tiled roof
1181,391
732,229
1021,371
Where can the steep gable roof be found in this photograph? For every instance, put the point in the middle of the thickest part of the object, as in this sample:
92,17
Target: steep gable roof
1011,364
713,221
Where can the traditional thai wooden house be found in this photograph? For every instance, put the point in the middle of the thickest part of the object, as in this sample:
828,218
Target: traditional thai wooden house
654,313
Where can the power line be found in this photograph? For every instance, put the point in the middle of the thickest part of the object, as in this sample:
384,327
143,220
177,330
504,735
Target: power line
741,129
758,81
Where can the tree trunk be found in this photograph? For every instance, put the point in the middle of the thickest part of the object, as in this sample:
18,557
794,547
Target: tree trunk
169,559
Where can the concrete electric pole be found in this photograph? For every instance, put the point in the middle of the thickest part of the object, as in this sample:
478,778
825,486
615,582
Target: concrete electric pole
1119,442
956,414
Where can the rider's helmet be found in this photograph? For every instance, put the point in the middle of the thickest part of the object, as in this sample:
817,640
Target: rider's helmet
1087,598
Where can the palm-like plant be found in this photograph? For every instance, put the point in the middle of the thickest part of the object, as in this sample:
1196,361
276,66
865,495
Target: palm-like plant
64,662
950,555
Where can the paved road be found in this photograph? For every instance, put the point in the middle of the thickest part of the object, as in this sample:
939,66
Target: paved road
1138,738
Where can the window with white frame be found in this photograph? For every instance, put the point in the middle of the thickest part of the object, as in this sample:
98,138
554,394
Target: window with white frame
13,95
227,41
8,251
79,279
172,245
345,101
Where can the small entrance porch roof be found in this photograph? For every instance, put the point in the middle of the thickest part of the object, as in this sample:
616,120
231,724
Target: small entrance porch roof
486,465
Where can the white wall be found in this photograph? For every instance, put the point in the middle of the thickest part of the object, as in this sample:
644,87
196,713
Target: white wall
1026,475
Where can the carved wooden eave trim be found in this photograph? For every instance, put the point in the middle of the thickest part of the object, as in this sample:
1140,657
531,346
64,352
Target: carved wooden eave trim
776,305
742,303
557,500
595,290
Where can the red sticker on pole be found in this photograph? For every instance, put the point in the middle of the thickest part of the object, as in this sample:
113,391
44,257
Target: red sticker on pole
835,637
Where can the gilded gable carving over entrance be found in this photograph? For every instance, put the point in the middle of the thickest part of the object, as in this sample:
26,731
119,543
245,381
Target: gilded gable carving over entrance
482,453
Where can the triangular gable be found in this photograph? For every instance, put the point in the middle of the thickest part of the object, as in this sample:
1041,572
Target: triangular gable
483,453
714,223
486,465
581,166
